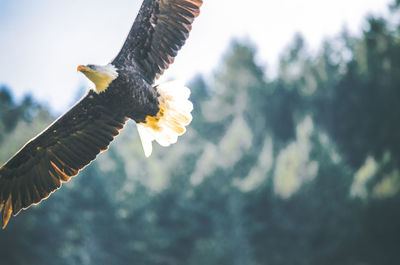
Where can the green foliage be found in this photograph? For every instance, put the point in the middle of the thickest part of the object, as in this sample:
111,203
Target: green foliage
302,169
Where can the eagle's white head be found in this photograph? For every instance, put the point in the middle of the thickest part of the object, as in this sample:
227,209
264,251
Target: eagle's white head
100,75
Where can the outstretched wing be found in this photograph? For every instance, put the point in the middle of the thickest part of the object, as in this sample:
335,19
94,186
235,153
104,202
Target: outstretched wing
57,154
159,31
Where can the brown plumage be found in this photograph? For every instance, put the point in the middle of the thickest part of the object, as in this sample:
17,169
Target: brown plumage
159,31
78,136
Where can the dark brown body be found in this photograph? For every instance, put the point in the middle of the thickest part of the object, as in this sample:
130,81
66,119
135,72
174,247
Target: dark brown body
130,90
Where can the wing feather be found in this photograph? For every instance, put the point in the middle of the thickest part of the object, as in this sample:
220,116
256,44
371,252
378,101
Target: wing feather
159,31
7,208
57,154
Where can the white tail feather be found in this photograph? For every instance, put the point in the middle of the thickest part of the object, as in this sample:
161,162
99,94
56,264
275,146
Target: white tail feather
170,121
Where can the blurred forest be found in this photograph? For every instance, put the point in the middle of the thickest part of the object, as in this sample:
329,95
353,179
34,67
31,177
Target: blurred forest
303,168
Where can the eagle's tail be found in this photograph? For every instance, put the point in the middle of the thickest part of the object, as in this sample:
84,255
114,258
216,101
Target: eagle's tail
171,119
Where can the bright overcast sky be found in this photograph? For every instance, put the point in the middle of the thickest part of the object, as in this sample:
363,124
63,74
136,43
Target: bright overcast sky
42,42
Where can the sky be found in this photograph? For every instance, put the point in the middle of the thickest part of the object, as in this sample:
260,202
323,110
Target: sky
42,42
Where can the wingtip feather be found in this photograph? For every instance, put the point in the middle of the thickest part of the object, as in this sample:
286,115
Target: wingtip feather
7,212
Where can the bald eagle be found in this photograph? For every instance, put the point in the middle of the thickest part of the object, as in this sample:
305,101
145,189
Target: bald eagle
123,89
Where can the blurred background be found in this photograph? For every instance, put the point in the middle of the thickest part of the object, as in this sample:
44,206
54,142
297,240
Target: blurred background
293,155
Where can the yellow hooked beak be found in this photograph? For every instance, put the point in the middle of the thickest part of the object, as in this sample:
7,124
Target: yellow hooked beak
82,68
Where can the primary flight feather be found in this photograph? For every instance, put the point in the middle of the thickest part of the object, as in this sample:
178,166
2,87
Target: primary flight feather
124,89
